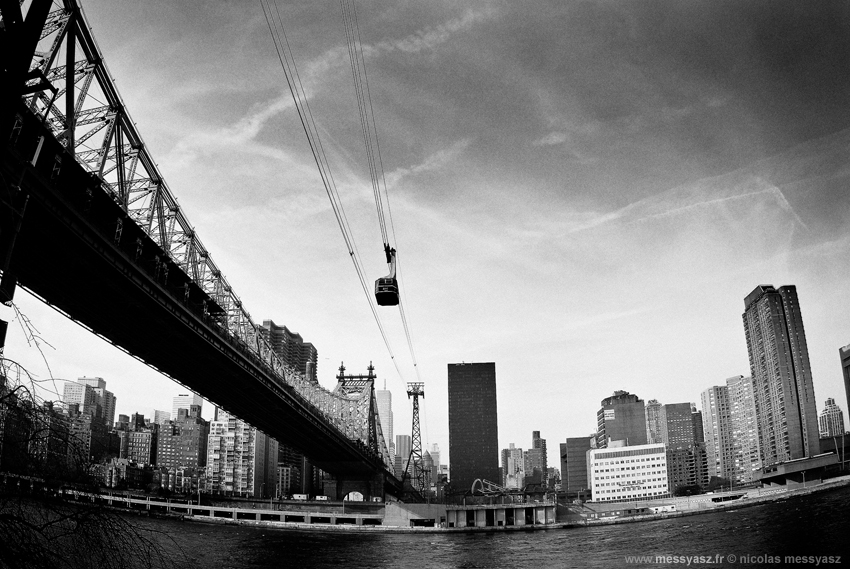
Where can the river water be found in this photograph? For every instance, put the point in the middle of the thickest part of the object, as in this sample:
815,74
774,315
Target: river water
817,525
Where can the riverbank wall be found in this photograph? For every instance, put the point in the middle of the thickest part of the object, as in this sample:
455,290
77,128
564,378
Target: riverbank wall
412,518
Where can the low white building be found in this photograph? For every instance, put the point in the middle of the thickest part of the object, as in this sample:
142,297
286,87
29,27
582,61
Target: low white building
628,473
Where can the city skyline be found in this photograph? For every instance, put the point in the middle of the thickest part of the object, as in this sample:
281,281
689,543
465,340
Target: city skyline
642,209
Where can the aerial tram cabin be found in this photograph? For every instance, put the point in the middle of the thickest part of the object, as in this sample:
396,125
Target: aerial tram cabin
386,288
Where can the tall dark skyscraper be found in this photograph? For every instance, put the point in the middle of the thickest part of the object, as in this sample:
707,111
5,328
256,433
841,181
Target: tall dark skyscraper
622,417
783,391
844,353
473,424
574,464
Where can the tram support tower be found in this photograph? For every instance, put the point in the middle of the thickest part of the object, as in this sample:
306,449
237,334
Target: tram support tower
416,390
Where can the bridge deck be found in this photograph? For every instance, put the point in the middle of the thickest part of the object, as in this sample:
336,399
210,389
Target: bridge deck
70,253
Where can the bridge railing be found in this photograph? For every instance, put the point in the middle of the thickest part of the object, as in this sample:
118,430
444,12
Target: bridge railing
78,101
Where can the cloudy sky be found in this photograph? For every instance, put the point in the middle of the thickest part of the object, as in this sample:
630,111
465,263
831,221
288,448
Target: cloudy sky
582,192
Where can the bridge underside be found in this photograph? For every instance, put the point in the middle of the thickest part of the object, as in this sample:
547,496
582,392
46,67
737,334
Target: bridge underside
79,252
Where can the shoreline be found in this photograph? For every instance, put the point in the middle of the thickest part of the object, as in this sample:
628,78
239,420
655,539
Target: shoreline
324,527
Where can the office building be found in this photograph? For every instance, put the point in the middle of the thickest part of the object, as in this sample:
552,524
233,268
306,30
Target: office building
677,425
183,443
687,467
844,354
783,391
184,401
290,347
513,467
831,420
653,421
140,446
92,397
540,443
473,424
106,399
680,430
622,417
240,459
403,445
744,424
574,464
535,466
696,419
161,417
435,457
385,415
622,473
717,426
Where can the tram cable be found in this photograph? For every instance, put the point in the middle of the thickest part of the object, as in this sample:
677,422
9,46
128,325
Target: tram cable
296,89
373,150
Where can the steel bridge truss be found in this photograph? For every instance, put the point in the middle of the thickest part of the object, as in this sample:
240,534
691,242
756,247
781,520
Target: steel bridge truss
70,88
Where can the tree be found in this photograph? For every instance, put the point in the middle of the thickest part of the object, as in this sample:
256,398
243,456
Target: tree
43,465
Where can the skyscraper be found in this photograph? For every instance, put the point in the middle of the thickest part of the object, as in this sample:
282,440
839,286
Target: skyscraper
831,420
844,354
574,464
105,398
677,427
744,424
473,424
183,442
292,349
622,417
185,401
537,457
783,391
653,421
403,443
241,460
513,467
717,426
385,414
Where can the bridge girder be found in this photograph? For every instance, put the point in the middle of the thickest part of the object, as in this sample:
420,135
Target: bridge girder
98,188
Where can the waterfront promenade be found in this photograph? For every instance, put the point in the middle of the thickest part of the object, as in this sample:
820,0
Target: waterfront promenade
407,518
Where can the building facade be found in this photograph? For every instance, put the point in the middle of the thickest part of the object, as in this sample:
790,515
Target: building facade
106,399
292,349
92,397
844,355
538,443
783,391
513,467
831,420
385,413
184,401
183,443
653,421
744,425
241,460
636,472
473,424
717,426
574,464
622,417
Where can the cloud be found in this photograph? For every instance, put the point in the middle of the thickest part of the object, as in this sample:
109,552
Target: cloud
430,38
551,139
675,209
433,162
422,40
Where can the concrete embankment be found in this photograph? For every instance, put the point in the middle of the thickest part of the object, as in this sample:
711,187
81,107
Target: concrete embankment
409,518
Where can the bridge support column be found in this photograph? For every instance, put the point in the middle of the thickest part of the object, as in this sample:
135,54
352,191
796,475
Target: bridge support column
341,486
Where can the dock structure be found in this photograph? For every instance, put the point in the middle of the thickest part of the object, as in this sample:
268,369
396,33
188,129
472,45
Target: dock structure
501,515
